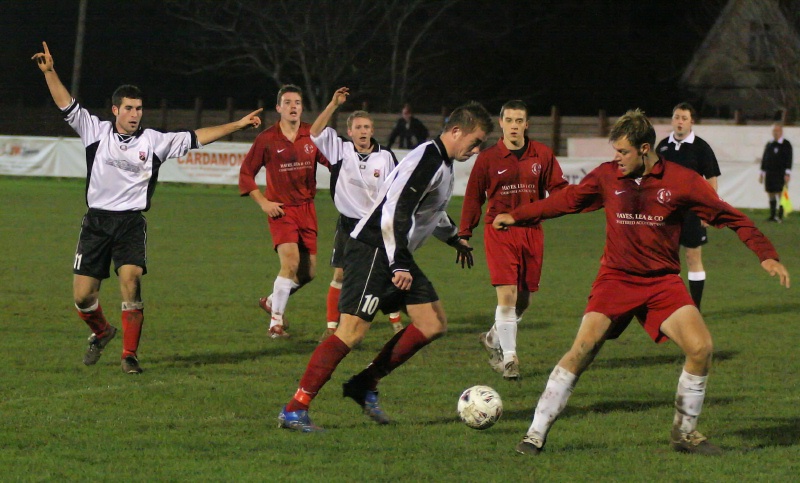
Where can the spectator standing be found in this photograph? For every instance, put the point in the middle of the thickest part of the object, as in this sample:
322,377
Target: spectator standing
409,131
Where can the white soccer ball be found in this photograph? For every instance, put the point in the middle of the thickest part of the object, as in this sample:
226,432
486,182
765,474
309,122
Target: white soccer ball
480,407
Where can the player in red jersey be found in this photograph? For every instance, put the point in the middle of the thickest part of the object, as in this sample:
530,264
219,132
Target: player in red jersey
290,160
645,199
512,173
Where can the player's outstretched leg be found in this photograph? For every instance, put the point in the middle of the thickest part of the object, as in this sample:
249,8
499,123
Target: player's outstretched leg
553,400
688,403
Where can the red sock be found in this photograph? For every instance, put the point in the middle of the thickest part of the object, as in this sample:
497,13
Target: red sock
333,304
399,349
95,320
132,321
328,354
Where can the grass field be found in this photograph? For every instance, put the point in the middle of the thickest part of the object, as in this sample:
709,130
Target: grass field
205,408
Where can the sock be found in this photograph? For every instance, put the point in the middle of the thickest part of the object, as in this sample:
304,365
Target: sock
280,297
398,350
780,212
552,402
333,303
94,318
396,320
505,321
697,281
132,320
689,401
328,354
773,204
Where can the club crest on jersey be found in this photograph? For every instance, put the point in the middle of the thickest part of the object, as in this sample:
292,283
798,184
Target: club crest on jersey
308,148
536,168
142,155
664,196
377,173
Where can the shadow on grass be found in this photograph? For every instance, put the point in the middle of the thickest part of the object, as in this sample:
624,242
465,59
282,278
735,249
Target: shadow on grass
481,323
235,357
766,308
772,432
606,407
654,360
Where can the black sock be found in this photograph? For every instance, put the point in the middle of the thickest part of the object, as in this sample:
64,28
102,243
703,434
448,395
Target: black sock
696,289
772,207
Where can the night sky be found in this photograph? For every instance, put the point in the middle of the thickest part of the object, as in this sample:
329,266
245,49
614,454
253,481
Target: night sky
579,55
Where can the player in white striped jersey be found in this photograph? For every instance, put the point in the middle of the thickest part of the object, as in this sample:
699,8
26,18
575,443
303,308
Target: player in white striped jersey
358,169
122,163
380,272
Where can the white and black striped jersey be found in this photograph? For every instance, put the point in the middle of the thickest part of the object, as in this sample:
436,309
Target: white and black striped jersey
356,178
411,205
122,170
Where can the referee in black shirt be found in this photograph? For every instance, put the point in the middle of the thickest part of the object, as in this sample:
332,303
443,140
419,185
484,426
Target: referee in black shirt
686,149
776,166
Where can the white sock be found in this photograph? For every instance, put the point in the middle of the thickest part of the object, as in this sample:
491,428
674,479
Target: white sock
280,297
505,319
696,276
689,401
552,402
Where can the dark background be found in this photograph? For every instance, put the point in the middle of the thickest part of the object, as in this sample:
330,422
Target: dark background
581,56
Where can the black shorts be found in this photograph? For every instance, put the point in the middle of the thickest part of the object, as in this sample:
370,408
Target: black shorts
343,228
693,233
368,286
773,181
107,236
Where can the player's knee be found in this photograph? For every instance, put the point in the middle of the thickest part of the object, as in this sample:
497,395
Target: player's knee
700,350
84,300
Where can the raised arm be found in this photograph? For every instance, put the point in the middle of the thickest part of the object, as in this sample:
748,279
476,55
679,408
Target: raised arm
44,60
325,116
206,135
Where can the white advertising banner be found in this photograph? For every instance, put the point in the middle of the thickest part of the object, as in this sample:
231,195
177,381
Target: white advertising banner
218,163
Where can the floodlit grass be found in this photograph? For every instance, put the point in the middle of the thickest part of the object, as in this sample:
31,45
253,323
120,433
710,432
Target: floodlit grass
205,408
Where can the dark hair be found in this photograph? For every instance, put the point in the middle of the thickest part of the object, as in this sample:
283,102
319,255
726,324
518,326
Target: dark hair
515,104
470,116
126,90
634,126
685,106
288,88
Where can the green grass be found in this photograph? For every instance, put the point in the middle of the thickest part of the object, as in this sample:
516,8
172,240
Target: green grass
205,409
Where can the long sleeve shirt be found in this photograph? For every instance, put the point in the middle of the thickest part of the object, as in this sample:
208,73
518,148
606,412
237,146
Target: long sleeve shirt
644,216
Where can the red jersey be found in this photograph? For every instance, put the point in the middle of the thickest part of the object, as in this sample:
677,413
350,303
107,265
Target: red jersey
644,216
291,167
508,182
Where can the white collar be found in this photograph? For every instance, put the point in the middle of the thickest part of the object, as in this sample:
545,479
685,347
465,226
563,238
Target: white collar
689,139
779,141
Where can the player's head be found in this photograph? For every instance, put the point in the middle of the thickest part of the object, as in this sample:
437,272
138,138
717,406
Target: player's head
777,131
406,112
633,138
126,105
683,116
466,129
360,129
290,103
514,122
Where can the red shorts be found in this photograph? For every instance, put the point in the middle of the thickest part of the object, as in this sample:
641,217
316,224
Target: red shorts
298,225
514,256
621,296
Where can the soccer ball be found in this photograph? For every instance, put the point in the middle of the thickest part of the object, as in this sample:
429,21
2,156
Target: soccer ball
480,407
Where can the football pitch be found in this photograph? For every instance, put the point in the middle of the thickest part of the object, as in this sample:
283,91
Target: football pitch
205,409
